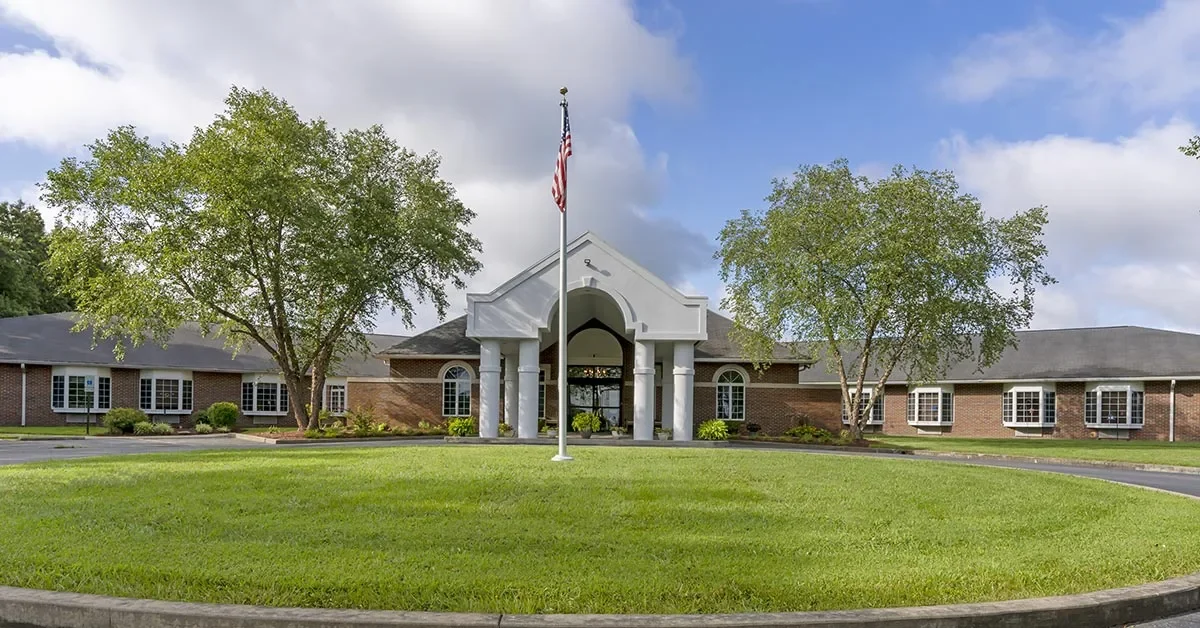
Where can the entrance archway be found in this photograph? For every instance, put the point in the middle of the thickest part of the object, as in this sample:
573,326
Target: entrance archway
595,375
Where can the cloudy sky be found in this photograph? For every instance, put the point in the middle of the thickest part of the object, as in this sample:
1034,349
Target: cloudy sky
682,113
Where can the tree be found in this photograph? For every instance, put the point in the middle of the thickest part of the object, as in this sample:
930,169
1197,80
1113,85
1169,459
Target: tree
871,275
265,228
25,287
1192,148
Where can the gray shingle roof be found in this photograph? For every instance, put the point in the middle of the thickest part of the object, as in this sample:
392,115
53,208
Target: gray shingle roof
47,339
720,346
1083,353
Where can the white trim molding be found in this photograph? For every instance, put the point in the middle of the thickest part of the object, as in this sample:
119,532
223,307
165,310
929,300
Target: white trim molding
941,405
733,398
176,386
1114,405
868,396
453,363
282,401
1029,405
64,378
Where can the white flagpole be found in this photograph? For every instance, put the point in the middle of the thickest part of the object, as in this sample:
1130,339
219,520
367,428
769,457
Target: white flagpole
562,315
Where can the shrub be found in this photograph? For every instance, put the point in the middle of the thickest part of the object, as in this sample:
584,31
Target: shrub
586,422
811,432
505,429
202,418
161,429
143,428
461,426
204,428
313,433
122,420
713,429
361,421
221,430
732,428
223,414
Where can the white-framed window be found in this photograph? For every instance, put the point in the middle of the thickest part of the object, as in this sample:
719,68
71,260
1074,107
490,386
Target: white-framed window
868,398
456,389
542,392
731,393
1029,405
1114,405
165,392
264,394
931,405
335,395
68,389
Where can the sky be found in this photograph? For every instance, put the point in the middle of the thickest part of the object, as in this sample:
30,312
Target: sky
682,113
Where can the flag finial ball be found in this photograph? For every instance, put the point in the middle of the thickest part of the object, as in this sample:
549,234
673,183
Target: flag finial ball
563,91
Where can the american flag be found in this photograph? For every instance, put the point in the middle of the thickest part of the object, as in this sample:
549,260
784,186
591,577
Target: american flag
559,190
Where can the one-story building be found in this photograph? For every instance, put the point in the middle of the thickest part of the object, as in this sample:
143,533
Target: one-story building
640,353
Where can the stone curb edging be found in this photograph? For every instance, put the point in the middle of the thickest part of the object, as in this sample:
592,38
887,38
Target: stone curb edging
304,441
1067,462
30,608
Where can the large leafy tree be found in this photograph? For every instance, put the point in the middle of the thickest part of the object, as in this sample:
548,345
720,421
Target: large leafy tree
265,228
1192,148
25,287
870,275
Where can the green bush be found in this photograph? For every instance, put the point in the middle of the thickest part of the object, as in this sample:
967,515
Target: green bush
223,414
143,428
811,432
204,428
202,418
733,428
313,433
122,420
361,421
221,430
461,426
713,429
586,422
161,429
505,429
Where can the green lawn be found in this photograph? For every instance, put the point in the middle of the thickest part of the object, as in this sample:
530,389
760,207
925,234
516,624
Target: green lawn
503,529
1143,451
60,430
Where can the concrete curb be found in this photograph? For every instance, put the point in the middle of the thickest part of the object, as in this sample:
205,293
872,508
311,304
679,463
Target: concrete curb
328,441
30,608
33,437
1067,462
604,441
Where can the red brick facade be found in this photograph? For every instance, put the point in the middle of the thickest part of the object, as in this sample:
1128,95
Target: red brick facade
413,393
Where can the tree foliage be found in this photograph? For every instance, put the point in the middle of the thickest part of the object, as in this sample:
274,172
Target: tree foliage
265,228
867,275
1192,148
25,287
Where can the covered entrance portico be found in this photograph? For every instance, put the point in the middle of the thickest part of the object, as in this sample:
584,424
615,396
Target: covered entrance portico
615,308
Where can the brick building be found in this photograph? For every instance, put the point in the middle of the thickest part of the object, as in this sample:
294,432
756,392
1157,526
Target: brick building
639,353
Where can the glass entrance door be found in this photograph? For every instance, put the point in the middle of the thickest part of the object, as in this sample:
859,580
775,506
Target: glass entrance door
595,389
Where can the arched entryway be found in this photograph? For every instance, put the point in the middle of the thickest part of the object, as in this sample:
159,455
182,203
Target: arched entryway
595,374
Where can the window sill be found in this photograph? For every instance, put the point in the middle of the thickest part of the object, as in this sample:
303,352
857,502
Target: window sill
931,423
1011,424
79,410
871,422
1114,426
184,412
264,413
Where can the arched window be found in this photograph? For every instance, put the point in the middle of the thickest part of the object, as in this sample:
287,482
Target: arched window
456,392
731,395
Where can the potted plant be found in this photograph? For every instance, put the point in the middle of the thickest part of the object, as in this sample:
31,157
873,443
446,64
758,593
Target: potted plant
617,430
662,433
753,429
506,429
550,432
585,423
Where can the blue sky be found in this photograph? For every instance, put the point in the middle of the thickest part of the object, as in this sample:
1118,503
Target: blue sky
683,112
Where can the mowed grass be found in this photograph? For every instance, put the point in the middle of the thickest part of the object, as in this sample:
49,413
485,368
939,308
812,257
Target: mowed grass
1140,451
620,530
60,430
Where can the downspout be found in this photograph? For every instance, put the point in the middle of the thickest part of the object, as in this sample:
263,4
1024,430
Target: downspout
24,377
1171,432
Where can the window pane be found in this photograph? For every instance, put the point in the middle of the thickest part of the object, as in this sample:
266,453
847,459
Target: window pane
283,398
739,402
947,407
1051,411
267,397
1006,407
187,395
104,392
77,396
450,398
877,409
723,401
594,372
1137,407
464,399
247,396
912,407
337,398
166,394
58,391
927,407
1089,407
541,412
1028,407
1114,407
146,396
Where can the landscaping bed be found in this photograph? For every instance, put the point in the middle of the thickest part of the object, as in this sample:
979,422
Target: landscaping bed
619,530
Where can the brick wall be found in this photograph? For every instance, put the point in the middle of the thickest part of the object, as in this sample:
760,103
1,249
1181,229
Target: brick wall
1187,411
416,397
209,388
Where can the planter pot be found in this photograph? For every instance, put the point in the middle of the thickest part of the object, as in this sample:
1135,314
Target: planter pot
552,433
616,434
662,437
585,433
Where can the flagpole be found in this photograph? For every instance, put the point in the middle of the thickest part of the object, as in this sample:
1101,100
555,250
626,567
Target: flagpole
562,314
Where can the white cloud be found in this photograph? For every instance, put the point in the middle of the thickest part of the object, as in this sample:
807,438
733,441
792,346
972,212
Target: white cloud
1124,219
1146,63
476,80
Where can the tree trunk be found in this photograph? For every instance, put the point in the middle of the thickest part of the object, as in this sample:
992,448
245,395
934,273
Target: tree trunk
316,400
295,409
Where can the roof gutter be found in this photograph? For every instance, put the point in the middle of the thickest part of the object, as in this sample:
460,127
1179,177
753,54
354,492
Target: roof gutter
1171,431
24,388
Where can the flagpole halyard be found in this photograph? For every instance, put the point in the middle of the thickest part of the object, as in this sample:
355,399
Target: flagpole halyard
560,193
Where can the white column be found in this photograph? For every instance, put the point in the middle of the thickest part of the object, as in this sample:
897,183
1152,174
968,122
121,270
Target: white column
527,422
684,375
510,390
668,387
489,388
643,390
